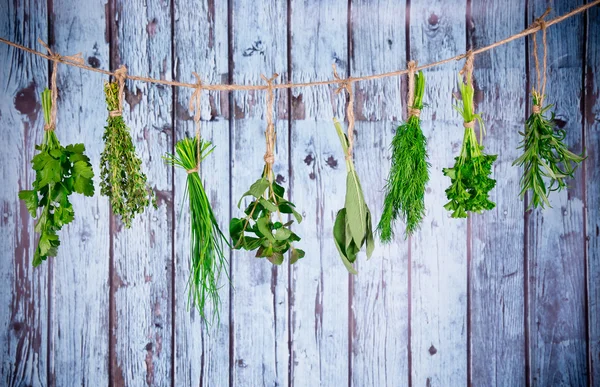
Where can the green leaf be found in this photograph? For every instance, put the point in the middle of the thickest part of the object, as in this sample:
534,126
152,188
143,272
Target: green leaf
295,255
287,208
82,175
355,207
257,189
282,234
30,198
267,204
263,226
370,241
339,236
276,258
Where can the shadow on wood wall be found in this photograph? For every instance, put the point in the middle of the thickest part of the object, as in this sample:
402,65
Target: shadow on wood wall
504,298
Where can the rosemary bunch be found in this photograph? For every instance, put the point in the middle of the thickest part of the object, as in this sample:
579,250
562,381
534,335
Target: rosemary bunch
470,181
545,157
206,240
121,178
409,173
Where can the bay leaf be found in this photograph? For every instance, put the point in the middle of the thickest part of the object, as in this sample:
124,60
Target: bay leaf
355,208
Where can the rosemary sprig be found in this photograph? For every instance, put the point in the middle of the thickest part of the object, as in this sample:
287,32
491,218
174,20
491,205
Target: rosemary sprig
121,178
409,173
545,157
206,240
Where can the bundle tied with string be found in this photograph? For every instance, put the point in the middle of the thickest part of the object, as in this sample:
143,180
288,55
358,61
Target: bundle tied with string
59,171
409,172
121,176
353,226
546,159
207,241
470,176
258,231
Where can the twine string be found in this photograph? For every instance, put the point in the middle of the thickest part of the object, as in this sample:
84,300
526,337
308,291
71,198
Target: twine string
412,111
270,134
540,91
195,106
345,84
76,59
120,76
467,70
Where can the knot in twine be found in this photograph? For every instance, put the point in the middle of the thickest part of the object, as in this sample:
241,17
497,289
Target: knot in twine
195,106
540,90
270,132
120,76
345,84
412,111
55,58
469,125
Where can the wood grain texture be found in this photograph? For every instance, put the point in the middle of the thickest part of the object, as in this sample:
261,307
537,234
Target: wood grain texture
142,275
200,38
592,189
439,250
24,302
497,355
79,338
319,318
260,290
555,235
379,329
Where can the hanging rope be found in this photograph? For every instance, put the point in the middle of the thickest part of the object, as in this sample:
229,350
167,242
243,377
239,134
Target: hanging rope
120,76
196,107
74,59
412,111
344,84
467,70
539,92
270,134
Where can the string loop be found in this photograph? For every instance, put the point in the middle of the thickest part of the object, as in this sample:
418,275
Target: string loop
410,98
270,134
195,106
346,84
120,76
539,91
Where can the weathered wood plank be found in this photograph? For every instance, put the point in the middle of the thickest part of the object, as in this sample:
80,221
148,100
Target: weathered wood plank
260,290
555,245
379,332
319,318
142,272
592,188
200,38
497,355
439,251
80,271
24,301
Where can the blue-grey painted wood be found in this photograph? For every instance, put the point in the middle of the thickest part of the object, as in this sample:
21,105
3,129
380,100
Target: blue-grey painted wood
24,299
201,45
379,328
319,308
260,290
438,314
555,245
142,255
592,189
497,246
79,357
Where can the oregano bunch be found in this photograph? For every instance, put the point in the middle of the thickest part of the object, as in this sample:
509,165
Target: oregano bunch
546,160
409,172
59,171
470,176
121,177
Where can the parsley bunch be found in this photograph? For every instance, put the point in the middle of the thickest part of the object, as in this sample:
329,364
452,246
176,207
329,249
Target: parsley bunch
545,156
409,173
59,171
206,239
257,231
470,181
352,228
121,178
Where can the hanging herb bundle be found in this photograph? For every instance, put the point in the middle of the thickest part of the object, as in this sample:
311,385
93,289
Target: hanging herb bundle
409,172
206,240
59,171
470,179
545,155
257,230
352,228
120,168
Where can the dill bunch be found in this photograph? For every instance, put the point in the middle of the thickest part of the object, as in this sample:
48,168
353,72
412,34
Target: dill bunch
409,173
470,176
545,157
206,239
121,177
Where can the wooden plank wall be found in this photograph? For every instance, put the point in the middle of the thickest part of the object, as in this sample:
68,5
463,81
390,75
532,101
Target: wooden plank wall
509,297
